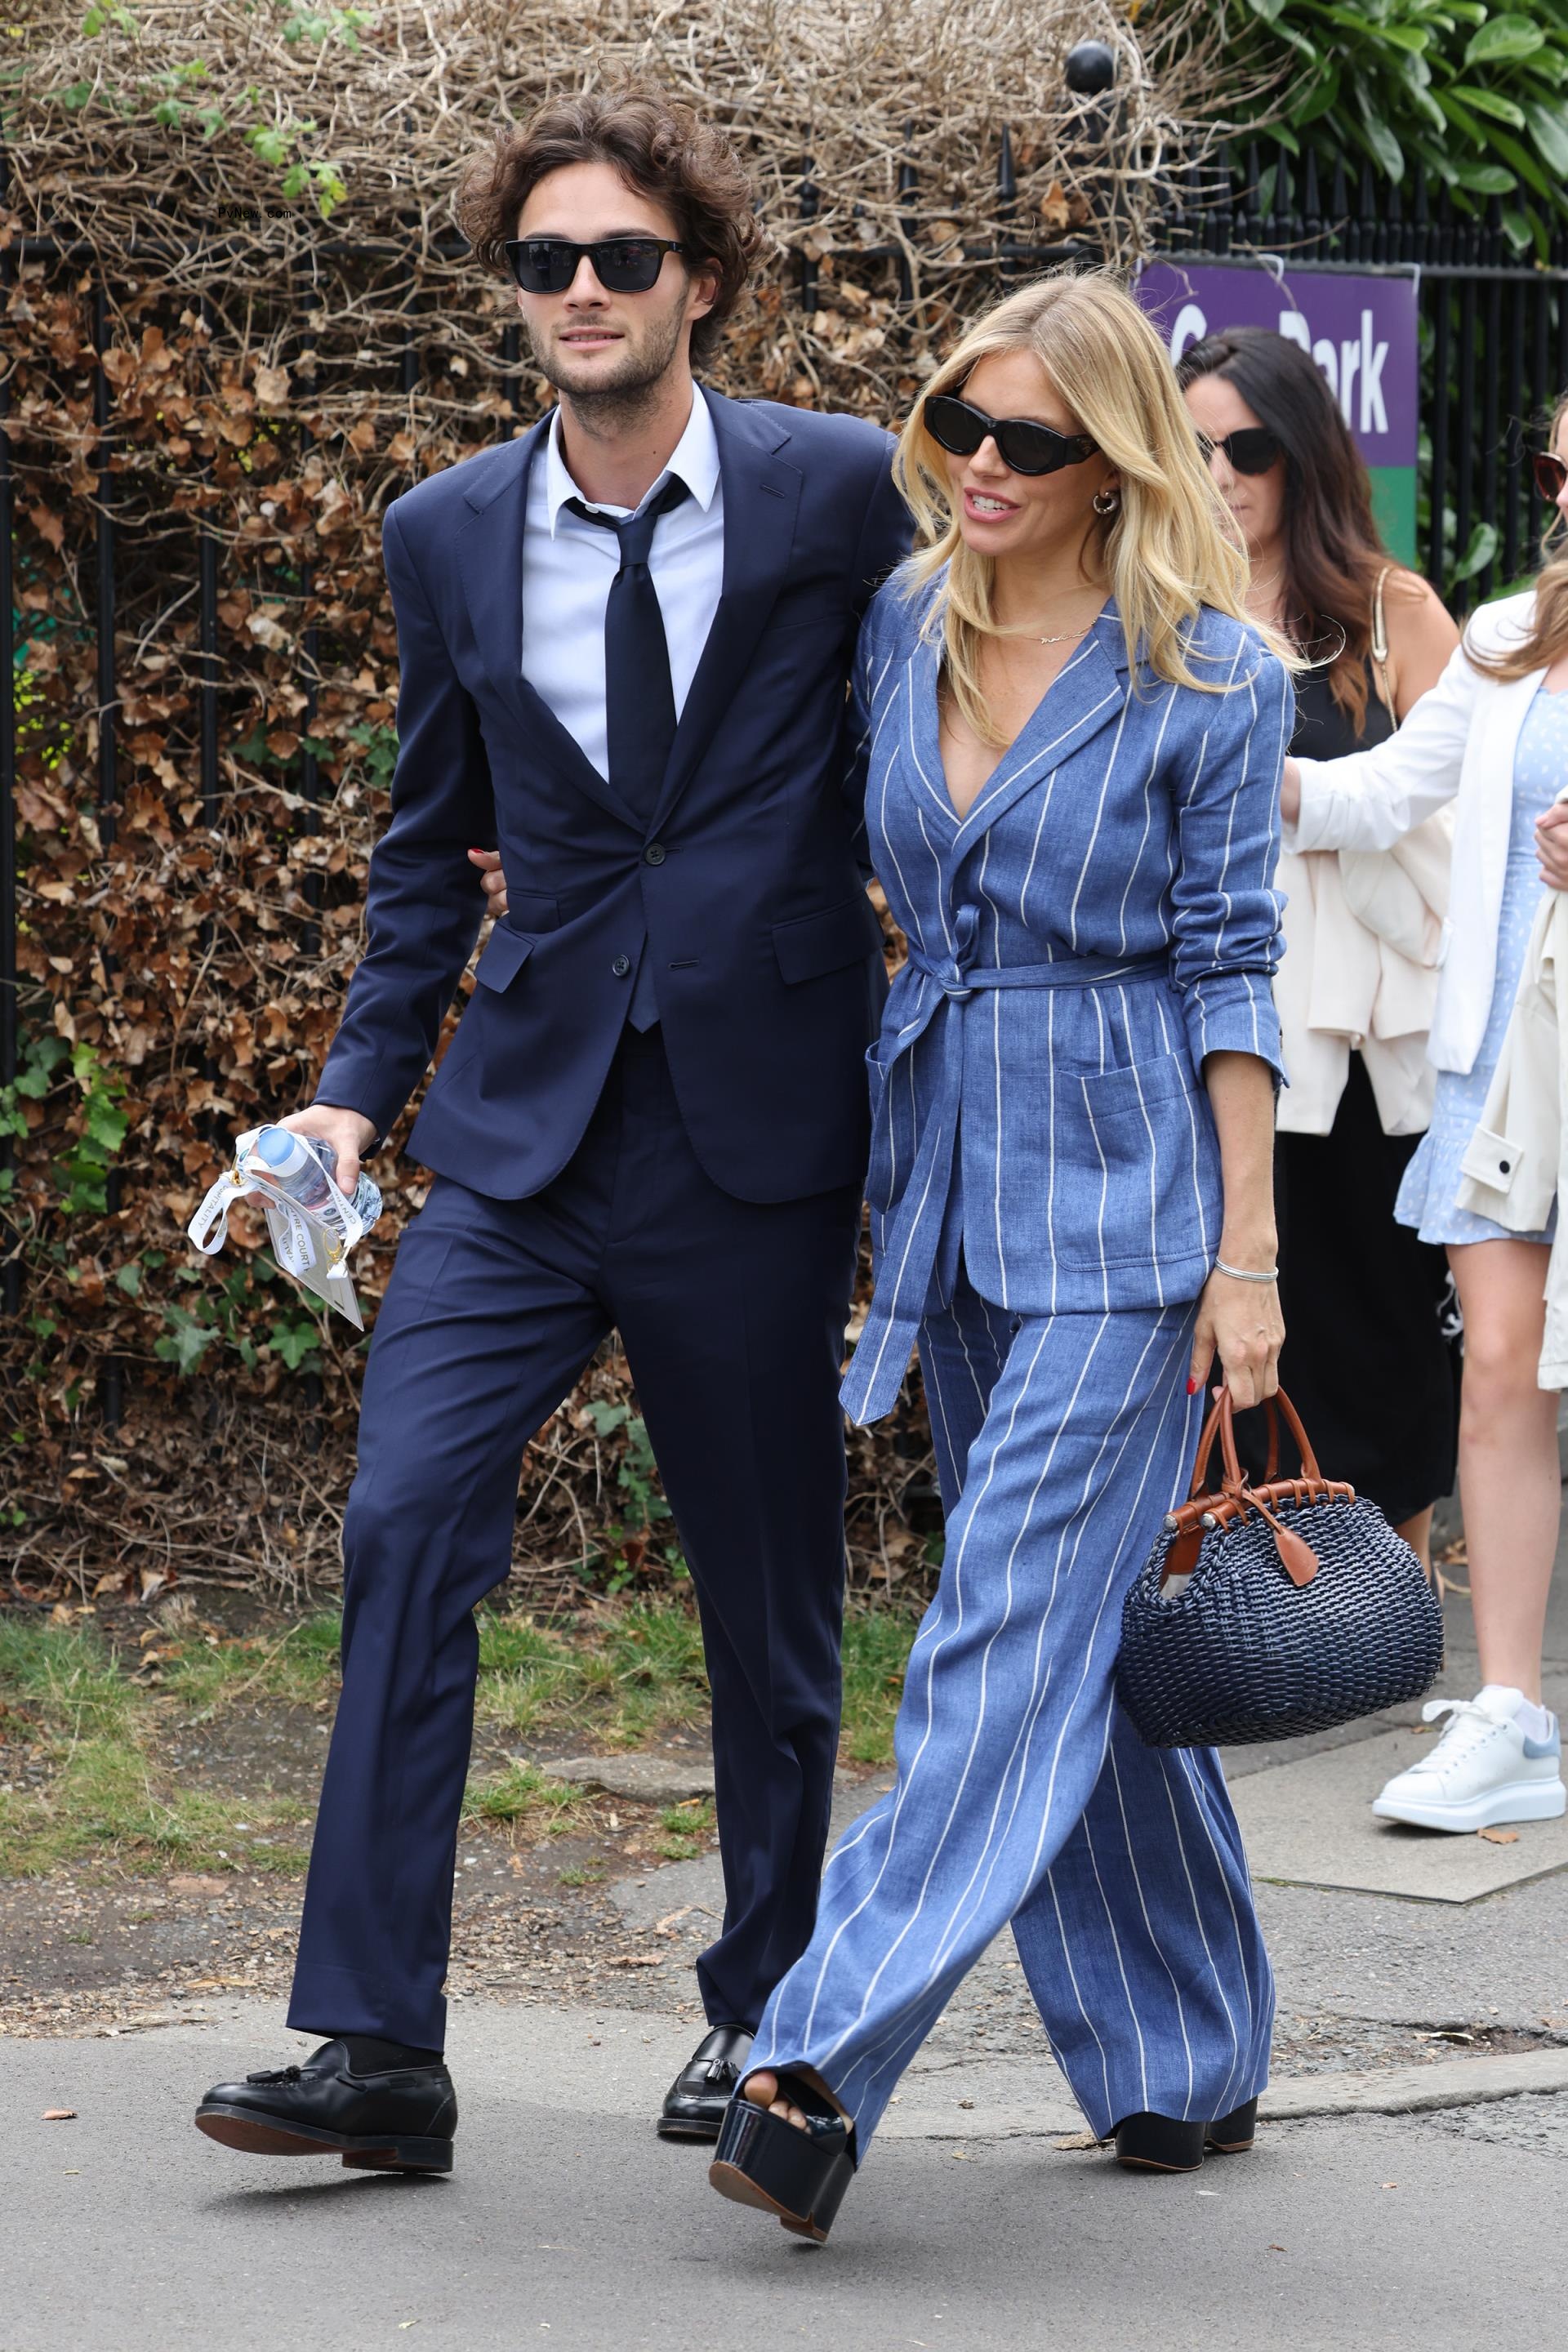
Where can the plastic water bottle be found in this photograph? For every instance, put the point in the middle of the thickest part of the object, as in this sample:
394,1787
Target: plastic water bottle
298,1165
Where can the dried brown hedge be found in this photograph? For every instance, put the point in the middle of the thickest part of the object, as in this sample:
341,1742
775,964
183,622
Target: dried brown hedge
253,327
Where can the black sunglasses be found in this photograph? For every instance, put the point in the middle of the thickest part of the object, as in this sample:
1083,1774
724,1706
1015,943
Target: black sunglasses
622,265
1551,473
1024,447
1251,451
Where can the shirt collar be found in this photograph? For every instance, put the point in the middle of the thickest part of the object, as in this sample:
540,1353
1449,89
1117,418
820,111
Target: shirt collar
695,459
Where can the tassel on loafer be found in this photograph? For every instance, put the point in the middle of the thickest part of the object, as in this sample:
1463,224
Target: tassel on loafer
800,2176
1152,2143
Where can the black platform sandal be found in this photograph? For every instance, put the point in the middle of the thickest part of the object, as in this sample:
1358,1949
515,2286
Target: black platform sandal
1150,2143
764,2161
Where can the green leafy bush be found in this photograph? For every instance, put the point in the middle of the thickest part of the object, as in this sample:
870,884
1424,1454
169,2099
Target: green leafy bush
1477,94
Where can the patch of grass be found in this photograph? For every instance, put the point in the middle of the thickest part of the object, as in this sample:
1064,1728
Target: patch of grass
618,1677
624,1678
876,1651
584,1874
105,1796
520,1795
688,1830
298,1667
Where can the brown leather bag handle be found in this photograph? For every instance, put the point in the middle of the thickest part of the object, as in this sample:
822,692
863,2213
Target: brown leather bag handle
1238,1497
1221,1421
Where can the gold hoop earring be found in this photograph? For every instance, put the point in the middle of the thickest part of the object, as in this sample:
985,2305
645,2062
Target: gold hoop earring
1106,500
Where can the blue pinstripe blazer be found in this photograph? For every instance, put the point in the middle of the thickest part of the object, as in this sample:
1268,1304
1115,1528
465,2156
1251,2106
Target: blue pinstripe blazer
1101,919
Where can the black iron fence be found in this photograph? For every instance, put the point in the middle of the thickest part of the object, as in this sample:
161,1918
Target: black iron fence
1494,331
1493,327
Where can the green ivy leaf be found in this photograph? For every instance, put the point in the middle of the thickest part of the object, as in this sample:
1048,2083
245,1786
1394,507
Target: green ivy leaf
294,1342
128,1279
185,1343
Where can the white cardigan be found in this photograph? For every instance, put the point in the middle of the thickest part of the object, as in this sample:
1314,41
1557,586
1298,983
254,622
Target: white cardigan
1517,1162
1459,740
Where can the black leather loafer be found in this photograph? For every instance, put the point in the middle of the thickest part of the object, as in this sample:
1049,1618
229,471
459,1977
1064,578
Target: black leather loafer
399,2121
1150,2143
695,2104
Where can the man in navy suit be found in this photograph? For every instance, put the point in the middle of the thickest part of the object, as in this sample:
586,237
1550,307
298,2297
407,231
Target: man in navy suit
624,641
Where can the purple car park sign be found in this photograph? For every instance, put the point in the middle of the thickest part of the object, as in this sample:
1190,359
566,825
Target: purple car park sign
1360,330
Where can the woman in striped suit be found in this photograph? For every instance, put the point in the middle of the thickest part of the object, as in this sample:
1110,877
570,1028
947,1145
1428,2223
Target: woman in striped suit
1073,803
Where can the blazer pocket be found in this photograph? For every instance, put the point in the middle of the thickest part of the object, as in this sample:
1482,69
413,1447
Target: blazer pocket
813,944
1143,1173
1113,1094
506,952
533,910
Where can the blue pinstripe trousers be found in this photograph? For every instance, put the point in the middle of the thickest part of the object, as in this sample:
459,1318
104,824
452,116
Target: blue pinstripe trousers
1023,1794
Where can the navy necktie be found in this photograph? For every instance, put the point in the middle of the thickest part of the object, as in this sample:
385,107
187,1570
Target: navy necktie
640,700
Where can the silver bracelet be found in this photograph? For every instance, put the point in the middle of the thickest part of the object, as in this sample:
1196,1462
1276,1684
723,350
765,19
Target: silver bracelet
1241,1274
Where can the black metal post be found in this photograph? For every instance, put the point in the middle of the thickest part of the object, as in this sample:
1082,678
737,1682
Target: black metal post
1006,205
809,203
309,791
206,555
113,1387
11,1283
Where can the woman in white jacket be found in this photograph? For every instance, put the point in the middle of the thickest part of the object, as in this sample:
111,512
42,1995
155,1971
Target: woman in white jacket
1492,737
1355,992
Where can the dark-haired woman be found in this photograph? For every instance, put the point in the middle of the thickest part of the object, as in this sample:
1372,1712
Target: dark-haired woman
1367,1361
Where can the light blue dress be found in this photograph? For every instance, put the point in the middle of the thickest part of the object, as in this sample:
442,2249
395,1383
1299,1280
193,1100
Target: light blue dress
1427,1194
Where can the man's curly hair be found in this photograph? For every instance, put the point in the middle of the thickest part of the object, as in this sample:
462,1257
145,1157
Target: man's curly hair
659,146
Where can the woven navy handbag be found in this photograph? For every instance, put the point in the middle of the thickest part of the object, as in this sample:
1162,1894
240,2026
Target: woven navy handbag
1300,1609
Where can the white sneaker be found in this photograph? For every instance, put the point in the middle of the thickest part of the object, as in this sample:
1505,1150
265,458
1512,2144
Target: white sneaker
1484,1769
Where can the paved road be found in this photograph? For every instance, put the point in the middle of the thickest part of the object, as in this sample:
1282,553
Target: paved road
125,2232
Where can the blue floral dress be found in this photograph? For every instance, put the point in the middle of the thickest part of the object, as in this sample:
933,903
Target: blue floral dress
1432,1180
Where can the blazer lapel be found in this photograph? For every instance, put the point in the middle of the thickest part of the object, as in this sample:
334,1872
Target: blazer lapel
1089,694
761,496
490,560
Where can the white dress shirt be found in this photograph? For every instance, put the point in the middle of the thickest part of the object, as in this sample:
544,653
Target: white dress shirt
568,565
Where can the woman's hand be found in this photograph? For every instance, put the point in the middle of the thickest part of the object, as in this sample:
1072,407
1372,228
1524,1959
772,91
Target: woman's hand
1240,1322
493,881
1551,845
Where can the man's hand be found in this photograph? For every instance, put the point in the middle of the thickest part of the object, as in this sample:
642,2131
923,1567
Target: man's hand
348,1131
1551,845
493,881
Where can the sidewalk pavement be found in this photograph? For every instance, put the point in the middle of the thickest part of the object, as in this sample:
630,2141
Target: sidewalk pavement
567,2224
1408,2188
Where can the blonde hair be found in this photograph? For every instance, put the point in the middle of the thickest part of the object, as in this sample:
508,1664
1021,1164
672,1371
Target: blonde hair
1164,551
1547,636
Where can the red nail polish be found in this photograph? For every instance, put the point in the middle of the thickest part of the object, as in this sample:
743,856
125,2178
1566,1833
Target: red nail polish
1192,1388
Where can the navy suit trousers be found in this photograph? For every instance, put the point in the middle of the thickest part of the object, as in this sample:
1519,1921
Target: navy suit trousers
732,1314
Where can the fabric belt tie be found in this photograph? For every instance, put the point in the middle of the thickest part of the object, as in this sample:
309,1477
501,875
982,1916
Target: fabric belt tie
639,698
906,1257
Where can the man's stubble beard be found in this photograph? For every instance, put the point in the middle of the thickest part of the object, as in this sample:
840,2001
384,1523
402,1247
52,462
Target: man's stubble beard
614,404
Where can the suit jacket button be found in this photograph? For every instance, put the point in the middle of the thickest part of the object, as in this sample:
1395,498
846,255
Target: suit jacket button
621,966
654,855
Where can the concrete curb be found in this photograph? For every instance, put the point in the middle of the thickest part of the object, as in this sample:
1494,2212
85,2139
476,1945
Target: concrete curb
1415,2090
608,2061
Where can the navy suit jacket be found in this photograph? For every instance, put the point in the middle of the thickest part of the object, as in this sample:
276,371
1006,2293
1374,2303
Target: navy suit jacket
746,889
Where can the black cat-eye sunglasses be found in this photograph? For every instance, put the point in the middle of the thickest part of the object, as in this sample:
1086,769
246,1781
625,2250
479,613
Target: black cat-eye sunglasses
1024,447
